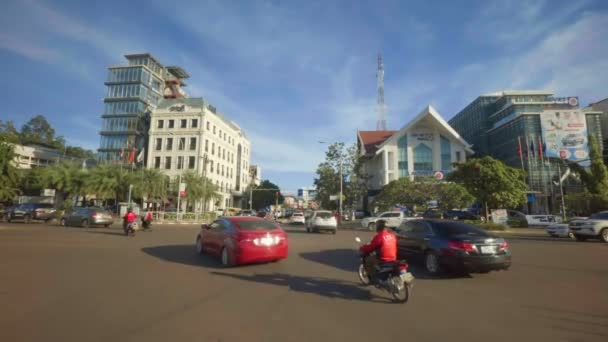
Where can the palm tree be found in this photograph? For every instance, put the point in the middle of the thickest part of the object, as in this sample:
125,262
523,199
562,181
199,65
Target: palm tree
8,172
149,184
109,181
65,177
199,188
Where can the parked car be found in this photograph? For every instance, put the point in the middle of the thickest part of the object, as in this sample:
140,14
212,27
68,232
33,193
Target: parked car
86,217
393,219
573,139
322,220
595,227
560,230
247,212
452,245
243,240
31,211
297,217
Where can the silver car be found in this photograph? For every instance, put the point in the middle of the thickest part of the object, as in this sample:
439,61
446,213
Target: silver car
321,220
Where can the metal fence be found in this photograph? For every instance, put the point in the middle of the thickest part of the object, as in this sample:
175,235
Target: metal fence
182,217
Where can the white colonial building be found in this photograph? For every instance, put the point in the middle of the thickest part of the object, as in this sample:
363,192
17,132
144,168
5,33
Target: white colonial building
189,134
426,146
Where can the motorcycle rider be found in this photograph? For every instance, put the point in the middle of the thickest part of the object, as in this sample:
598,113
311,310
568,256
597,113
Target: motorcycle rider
385,244
129,218
147,219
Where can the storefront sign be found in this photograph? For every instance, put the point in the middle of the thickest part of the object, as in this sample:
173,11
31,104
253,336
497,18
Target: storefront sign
177,108
422,136
571,100
564,134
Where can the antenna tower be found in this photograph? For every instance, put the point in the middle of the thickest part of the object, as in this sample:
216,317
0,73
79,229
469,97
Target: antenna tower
381,124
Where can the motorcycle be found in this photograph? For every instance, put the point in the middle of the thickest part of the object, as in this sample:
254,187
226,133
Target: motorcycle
130,228
392,277
146,225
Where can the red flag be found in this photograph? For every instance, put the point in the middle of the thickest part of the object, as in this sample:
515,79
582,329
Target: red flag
122,152
540,148
519,152
132,155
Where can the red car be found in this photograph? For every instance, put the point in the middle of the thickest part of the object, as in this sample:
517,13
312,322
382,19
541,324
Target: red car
243,240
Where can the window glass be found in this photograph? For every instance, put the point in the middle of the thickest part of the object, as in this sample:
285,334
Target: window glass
191,162
446,154
192,144
157,162
183,123
256,225
169,144
194,123
182,144
168,163
161,123
171,123
449,229
423,158
180,162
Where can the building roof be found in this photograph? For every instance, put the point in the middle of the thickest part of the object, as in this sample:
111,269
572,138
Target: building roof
372,139
519,92
177,72
145,54
431,112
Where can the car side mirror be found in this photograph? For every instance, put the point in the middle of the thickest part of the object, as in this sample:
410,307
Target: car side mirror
205,226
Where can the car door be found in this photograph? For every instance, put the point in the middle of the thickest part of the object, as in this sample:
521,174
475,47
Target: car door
403,233
77,217
416,238
216,237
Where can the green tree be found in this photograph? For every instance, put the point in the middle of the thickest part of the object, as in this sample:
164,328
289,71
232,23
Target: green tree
493,183
109,182
31,181
65,177
8,132
199,188
405,192
39,131
149,184
79,152
265,195
452,195
595,179
354,180
9,178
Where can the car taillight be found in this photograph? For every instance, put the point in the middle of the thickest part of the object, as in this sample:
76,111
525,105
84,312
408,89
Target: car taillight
503,246
39,210
463,246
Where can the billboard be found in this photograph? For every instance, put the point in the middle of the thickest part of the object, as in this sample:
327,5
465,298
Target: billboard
565,134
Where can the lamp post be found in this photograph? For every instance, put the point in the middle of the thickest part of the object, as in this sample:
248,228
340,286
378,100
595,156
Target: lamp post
341,181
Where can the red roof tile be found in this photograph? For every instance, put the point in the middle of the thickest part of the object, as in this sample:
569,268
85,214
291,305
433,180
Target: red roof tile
373,138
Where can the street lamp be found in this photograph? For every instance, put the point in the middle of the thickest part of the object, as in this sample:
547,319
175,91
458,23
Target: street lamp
340,199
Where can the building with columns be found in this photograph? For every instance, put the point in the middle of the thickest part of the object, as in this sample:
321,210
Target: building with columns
426,146
190,134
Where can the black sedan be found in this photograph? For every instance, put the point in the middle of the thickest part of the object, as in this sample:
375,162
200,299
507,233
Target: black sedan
453,246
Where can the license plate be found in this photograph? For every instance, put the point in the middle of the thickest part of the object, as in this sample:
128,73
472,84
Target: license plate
488,249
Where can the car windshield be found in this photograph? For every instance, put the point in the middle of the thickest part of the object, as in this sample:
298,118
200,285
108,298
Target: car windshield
324,214
298,214
449,229
256,225
599,216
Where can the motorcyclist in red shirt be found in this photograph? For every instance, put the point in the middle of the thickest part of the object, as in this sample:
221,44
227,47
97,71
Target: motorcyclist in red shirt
129,217
385,245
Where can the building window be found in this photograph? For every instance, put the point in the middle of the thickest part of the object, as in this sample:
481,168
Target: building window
182,144
208,125
206,145
168,163
224,154
194,123
211,165
171,123
212,148
157,162
169,144
161,123
402,145
191,162
180,162
458,156
192,144
183,123
217,169
423,158
446,154
222,170
219,151
159,144
213,129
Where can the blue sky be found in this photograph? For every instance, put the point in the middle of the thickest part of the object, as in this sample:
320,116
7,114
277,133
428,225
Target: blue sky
293,73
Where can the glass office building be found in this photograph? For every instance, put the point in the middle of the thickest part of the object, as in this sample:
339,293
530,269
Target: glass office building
496,124
132,91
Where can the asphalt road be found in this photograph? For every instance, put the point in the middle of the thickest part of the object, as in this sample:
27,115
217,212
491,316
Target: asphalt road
71,284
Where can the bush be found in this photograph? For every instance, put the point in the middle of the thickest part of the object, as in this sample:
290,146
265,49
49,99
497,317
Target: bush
518,222
486,226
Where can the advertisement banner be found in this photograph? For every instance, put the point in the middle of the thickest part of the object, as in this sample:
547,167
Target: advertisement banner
565,134
499,216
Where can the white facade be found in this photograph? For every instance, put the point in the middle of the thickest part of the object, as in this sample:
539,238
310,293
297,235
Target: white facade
423,147
255,174
185,131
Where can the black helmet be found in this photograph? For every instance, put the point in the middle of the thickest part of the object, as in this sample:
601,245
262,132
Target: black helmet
129,209
380,225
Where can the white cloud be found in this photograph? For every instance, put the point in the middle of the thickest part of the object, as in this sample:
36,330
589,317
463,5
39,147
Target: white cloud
27,48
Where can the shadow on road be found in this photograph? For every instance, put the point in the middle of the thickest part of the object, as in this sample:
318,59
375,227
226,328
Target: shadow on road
343,259
121,233
182,254
315,285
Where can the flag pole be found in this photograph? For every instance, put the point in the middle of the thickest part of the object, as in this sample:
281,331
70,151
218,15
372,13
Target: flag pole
542,170
521,157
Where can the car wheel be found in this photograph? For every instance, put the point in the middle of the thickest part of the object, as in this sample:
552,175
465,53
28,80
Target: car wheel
334,231
308,229
27,219
571,235
199,245
604,235
431,263
84,224
226,259
371,226
62,222
580,238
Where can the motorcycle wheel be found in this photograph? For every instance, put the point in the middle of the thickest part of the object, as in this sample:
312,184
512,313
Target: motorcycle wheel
363,277
399,290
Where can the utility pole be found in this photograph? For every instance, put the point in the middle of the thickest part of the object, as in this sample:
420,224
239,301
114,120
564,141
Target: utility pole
179,194
561,190
340,208
381,124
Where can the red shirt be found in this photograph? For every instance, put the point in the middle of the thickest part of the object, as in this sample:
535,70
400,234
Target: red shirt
131,217
386,242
